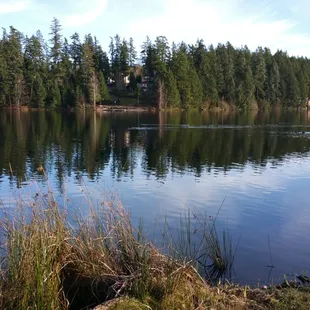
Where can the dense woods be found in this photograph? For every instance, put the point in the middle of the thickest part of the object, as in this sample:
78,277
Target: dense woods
62,73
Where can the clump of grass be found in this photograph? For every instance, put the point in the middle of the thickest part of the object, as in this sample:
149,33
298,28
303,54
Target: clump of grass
197,240
106,251
218,254
48,264
34,245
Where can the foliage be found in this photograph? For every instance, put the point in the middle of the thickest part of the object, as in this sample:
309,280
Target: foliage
68,74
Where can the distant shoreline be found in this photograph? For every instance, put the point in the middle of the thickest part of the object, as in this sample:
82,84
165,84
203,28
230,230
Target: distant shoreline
131,108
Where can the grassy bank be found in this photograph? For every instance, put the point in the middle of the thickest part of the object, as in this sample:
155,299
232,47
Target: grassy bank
53,260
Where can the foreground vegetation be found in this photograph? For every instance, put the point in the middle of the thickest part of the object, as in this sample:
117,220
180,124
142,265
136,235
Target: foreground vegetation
65,74
54,261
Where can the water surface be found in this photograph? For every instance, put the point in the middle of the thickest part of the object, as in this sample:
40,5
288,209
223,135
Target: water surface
162,164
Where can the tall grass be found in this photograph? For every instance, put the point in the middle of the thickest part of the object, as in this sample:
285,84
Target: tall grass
197,240
33,242
52,260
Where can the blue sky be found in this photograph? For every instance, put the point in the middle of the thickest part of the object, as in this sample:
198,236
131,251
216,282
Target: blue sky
278,24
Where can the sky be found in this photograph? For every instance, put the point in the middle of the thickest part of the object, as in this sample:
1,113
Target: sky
277,24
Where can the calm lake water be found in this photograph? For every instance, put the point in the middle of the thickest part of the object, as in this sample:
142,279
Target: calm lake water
162,164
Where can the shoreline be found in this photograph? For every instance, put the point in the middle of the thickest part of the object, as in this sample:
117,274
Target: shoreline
128,108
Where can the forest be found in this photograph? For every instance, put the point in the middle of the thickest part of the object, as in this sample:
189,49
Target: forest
62,73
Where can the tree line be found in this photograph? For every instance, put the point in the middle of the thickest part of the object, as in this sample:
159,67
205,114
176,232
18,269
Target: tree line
61,74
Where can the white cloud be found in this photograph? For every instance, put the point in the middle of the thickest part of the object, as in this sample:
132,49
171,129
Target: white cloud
222,21
13,6
88,11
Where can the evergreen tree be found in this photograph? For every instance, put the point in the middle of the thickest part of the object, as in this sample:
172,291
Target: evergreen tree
243,80
101,59
172,94
188,83
272,83
89,74
260,74
35,71
14,67
196,87
66,88
39,93
150,61
145,48
124,58
57,74
56,51
132,53
53,95
302,80
104,92
132,81
293,91
206,72
4,78
226,81
76,52
212,77
162,49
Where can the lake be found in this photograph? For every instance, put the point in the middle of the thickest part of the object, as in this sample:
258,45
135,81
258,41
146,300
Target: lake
256,164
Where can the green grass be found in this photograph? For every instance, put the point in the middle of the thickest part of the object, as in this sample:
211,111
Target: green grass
49,263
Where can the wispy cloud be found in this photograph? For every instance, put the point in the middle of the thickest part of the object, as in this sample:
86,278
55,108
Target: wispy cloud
13,6
87,12
278,24
222,21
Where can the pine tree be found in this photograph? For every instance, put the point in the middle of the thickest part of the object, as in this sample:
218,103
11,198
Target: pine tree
56,50
180,69
145,48
104,92
260,74
57,74
101,59
243,80
132,53
188,83
293,90
66,68
35,71
53,95
272,83
132,81
196,87
89,74
76,52
172,93
39,93
206,71
14,60
162,49
124,58
302,80
56,42
212,77
226,82
4,79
